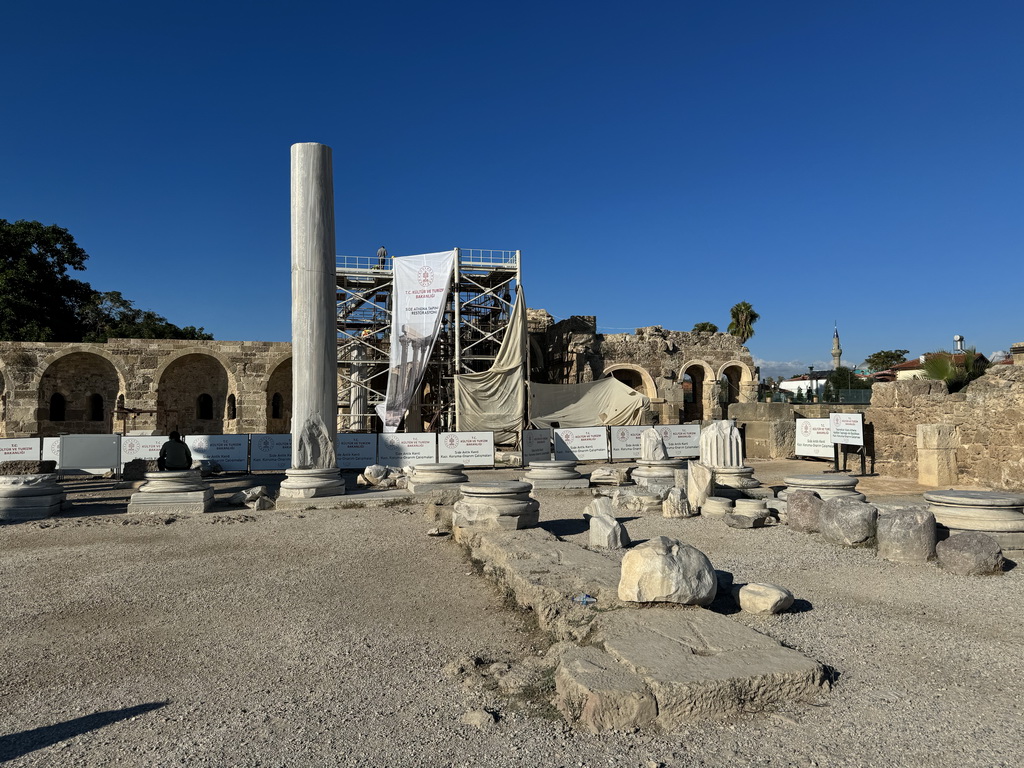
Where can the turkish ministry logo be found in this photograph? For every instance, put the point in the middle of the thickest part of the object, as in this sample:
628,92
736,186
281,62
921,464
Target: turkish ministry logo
130,446
451,441
264,444
805,428
425,276
623,435
201,444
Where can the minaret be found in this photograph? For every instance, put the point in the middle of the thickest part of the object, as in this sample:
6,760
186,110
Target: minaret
837,351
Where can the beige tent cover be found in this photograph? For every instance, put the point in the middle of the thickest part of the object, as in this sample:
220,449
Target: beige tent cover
495,400
606,401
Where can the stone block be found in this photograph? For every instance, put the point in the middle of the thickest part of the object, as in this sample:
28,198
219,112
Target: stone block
699,485
676,505
970,554
906,535
598,694
762,598
941,437
937,467
747,520
846,522
666,570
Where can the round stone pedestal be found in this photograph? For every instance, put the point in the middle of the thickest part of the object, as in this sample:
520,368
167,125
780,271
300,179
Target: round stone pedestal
427,477
826,486
716,506
172,493
498,504
735,477
311,483
30,497
554,474
659,472
999,515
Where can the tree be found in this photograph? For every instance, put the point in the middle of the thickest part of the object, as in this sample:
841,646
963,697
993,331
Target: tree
39,301
956,369
842,378
704,328
743,319
885,359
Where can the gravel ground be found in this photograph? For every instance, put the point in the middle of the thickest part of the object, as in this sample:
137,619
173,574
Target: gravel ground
326,638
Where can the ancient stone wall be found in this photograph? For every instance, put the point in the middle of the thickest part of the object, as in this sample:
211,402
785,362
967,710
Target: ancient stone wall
769,429
987,420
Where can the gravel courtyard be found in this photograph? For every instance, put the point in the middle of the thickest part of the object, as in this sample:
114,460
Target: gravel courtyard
327,638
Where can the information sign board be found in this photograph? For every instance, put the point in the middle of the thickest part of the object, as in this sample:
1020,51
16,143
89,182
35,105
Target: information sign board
814,438
141,447
536,445
581,444
680,439
626,442
22,449
473,449
89,452
270,453
230,451
51,449
356,450
405,449
847,428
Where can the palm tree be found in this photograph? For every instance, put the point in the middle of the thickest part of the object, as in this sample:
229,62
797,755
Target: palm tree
705,328
743,319
957,369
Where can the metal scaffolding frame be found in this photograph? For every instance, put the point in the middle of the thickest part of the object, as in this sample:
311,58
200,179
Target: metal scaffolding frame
485,284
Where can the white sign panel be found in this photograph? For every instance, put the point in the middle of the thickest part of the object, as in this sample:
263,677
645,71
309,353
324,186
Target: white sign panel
141,447
680,439
22,449
405,449
356,450
230,451
474,449
536,445
581,444
51,449
626,442
847,428
814,438
270,453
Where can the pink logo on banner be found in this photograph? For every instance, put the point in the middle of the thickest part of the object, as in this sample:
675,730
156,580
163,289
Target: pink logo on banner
131,446
425,276
451,441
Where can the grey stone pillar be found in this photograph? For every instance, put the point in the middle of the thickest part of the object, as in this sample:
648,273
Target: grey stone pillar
314,469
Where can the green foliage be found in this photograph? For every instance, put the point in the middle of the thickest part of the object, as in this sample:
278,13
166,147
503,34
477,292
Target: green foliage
957,370
704,328
885,359
743,319
844,378
39,301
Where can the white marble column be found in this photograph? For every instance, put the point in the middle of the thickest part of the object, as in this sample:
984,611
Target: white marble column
314,335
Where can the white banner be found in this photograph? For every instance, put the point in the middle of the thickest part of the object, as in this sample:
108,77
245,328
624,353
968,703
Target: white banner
356,450
581,444
420,296
141,447
847,428
270,453
680,439
22,449
536,445
230,451
474,449
407,449
814,438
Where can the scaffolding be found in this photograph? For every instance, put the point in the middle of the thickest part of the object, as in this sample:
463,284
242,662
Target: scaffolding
473,326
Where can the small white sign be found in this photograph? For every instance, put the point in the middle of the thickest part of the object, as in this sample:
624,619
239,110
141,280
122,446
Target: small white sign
22,449
680,439
230,451
581,444
356,450
406,449
270,453
473,449
814,438
626,442
847,428
141,447
51,449
536,445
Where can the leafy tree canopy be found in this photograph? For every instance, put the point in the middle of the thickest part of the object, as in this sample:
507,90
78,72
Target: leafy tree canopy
705,328
743,319
885,359
40,301
844,378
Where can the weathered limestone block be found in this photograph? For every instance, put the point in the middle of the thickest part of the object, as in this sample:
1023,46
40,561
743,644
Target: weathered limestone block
499,504
554,475
970,554
847,522
906,535
675,504
30,497
803,511
940,437
668,571
699,485
716,506
747,520
598,694
426,477
762,598
605,531
610,475
170,493
937,468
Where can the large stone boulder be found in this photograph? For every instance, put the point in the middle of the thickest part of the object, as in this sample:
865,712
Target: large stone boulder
803,511
906,535
847,522
667,571
970,554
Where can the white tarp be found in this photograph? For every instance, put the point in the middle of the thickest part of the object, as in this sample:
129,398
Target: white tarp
420,294
606,401
495,399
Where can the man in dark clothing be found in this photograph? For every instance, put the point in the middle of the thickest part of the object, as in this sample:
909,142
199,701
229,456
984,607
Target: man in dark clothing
174,455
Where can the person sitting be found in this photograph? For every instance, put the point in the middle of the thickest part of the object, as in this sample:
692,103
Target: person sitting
174,455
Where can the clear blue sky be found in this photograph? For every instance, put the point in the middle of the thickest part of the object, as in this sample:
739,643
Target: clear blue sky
859,162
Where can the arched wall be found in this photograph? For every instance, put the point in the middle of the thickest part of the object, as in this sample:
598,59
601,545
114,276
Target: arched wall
179,386
279,381
650,388
78,376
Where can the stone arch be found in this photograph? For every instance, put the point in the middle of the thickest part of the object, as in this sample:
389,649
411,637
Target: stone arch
84,379
640,376
226,364
185,381
736,382
279,385
697,379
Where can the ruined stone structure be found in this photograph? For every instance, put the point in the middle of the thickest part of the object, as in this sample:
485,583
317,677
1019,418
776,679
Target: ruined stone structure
145,385
688,376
